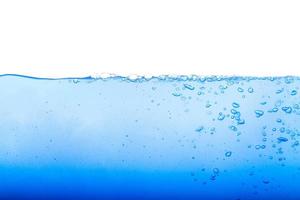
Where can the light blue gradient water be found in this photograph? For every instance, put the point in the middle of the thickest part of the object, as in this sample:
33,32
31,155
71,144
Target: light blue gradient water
158,138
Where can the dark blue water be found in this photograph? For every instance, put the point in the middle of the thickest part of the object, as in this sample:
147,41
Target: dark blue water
157,138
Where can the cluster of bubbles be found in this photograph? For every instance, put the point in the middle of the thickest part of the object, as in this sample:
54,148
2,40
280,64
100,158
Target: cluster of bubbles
282,92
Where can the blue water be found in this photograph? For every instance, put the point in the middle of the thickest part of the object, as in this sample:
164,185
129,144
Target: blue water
150,138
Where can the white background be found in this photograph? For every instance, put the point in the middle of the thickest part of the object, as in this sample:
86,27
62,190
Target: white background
58,38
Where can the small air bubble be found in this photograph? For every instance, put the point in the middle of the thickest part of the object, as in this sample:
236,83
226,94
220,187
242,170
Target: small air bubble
259,113
287,109
176,94
200,129
266,181
282,130
240,89
228,153
216,171
221,116
293,92
282,139
208,105
241,121
235,105
233,128
189,87
263,103
250,90
279,91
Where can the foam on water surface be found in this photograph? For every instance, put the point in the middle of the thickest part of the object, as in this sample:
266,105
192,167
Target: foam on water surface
150,137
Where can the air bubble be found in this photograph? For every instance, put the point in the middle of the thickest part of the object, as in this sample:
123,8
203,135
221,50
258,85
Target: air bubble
200,129
259,113
266,181
233,128
176,94
282,130
287,109
240,89
250,90
228,153
216,171
189,87
293,92
221,116
282,139
241,121
235,105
